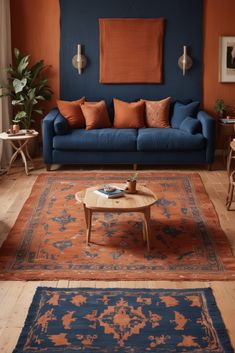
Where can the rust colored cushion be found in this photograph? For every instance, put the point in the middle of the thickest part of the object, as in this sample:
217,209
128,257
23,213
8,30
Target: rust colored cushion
157,113
128,115
71,110
96,115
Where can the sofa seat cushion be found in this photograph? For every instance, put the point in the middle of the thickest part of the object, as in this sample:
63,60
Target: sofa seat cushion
155,139
108,139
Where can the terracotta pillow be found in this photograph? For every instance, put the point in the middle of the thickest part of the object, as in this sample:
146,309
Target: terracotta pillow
96,115
128,115
71,110
157,113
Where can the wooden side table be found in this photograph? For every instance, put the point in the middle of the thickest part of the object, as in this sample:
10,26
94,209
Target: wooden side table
226,133
20,145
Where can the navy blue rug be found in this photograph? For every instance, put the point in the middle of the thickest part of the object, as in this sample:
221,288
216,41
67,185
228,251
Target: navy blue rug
123,320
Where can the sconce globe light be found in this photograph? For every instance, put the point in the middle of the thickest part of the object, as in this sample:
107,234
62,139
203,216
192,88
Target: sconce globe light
79,61
185,62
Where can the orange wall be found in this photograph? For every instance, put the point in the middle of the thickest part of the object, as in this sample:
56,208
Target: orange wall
219,20
36,31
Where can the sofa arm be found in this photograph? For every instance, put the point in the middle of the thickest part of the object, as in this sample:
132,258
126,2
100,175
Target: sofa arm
47,135
208,131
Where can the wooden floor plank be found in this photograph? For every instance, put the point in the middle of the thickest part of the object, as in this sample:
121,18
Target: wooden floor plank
8,339
9,301
21,306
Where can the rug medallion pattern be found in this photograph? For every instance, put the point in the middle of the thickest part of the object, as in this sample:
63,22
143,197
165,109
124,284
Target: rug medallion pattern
48,238
123,320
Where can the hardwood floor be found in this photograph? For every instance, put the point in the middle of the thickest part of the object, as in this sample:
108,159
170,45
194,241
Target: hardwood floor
16,296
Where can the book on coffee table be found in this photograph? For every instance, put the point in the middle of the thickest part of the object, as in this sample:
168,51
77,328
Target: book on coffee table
110,194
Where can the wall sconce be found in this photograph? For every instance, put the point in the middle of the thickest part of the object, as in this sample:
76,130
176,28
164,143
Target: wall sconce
185,62
79,61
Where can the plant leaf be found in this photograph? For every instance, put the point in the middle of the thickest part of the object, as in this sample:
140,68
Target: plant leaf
20,115
31,93
19,84
17,53
35,69
17,102
40,98
39,111
24,62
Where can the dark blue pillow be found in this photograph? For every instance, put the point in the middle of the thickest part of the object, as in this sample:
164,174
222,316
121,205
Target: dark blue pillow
191,125
61,126
181,111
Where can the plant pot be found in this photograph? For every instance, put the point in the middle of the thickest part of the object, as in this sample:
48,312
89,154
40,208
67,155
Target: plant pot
130,186
16,128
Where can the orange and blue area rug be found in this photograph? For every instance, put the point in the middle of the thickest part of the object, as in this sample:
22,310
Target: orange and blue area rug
123,321
48,240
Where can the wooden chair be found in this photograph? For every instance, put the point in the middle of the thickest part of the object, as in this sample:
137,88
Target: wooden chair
231,155
230,190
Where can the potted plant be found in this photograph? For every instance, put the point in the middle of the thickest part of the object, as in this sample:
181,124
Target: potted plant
131,184
220,107
27,88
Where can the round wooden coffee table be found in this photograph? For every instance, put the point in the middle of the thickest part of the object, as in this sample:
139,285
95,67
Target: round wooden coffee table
141,202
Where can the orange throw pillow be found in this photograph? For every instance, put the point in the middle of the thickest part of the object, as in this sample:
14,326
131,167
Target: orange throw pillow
71,110
157,113
96,115
128,115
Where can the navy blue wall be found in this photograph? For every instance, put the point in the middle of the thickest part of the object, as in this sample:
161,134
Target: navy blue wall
183,26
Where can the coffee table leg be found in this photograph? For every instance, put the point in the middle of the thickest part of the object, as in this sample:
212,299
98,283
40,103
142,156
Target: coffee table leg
144,230
86,214
89,216
147,226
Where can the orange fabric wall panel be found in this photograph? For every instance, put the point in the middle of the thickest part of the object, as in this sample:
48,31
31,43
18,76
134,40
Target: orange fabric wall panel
218,21
36,31
136,35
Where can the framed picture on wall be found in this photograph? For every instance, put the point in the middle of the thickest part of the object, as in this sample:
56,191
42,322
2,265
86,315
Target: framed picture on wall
227,59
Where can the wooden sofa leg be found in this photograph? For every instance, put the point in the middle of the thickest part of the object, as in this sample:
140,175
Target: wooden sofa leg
48,167
209,166
135,165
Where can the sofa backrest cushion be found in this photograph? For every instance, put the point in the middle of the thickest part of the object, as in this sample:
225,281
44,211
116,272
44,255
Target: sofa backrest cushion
182,111
71,110
191,125
61,125
128,115
96,115
157,113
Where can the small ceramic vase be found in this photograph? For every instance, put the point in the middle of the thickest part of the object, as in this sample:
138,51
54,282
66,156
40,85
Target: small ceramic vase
130,186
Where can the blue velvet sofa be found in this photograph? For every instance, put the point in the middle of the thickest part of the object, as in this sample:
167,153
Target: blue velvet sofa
189,141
